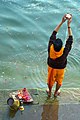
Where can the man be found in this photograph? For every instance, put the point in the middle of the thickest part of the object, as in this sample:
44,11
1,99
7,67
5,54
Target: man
57,57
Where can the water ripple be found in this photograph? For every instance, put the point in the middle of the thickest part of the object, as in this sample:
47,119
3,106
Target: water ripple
25,27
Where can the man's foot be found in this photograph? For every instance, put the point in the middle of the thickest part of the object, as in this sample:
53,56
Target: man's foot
48,93
57,93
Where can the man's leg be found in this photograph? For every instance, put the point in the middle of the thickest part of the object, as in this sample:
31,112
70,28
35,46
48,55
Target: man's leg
57,87
50,80
49,90
57,91
60,76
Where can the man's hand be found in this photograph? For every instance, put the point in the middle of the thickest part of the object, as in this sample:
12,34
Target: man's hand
69,21
64,18
69,28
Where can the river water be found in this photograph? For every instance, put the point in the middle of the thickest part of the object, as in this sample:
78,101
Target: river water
25,28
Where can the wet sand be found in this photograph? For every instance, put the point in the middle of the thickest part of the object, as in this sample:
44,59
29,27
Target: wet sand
64,107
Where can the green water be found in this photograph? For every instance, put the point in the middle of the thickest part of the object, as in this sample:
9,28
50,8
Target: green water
25,28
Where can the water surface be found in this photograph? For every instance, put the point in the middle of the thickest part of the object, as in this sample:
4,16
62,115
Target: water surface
25,28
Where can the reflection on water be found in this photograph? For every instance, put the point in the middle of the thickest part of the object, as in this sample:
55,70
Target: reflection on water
12,113
50,111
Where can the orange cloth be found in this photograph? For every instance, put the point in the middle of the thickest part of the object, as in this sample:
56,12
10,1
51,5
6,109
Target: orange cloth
55,75
54,54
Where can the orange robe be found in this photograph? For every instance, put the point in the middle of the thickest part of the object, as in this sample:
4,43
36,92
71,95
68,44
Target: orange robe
55,75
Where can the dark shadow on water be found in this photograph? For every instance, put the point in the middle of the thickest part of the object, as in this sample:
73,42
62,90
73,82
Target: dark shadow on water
50,111
12,113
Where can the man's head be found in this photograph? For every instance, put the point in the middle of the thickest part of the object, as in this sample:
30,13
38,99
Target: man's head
57,44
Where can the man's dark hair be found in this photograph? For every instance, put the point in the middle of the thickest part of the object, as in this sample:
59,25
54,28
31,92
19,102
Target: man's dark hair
57,44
